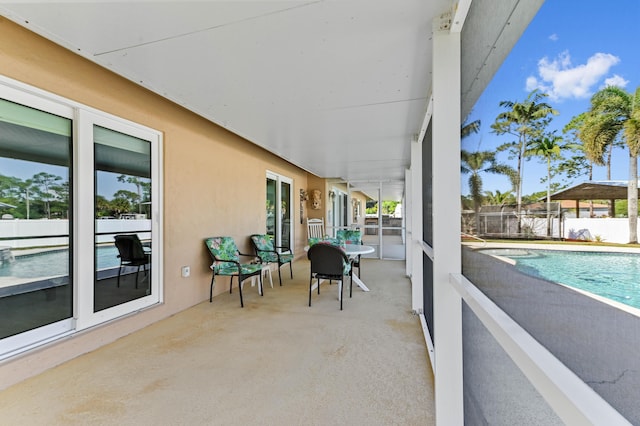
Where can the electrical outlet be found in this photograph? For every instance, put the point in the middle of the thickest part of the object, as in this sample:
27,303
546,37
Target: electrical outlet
186,271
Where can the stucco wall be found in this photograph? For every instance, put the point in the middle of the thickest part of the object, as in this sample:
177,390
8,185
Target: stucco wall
214,183
609,229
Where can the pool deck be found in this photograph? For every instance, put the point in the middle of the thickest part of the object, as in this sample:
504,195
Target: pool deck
565,247
597,341
476,245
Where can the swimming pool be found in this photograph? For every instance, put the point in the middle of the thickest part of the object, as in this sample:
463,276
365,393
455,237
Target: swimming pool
615,276
53,263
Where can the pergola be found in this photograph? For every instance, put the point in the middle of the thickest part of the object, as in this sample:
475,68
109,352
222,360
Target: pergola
594,190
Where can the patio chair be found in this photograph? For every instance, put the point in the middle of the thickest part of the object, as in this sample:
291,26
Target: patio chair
315,228
329,262
131,253
226,262
270,253
351,236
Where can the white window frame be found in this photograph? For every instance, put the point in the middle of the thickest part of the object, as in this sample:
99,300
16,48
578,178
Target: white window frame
85,217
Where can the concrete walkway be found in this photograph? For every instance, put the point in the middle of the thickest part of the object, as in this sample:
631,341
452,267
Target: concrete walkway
275,362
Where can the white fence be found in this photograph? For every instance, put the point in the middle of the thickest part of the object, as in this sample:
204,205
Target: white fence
610,230
23,233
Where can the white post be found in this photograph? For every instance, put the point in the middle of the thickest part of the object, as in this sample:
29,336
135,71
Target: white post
415,244
446,223
407,216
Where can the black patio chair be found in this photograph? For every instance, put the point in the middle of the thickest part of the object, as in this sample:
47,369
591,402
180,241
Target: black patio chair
329,262
131,253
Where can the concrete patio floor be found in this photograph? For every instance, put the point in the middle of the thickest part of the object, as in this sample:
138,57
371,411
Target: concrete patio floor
276,361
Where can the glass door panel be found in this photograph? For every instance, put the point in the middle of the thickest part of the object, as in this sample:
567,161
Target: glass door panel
279,209
285,214
123,213
271,207
36,285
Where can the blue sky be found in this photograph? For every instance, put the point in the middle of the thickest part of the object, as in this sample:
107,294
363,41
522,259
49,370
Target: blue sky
570,50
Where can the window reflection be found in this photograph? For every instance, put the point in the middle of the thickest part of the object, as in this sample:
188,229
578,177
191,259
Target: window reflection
271,207
285,207
123,212
35,159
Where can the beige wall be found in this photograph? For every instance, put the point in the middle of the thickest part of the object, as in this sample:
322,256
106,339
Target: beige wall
214,184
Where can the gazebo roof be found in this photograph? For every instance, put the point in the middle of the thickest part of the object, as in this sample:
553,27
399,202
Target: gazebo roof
594,190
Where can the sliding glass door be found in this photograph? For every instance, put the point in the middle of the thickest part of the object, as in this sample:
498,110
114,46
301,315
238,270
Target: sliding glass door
279,209
72,179
36,273
122,161
122,207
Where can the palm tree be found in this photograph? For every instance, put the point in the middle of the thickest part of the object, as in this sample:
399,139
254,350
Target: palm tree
139,185
526,121
548,147
468,128
498,198
598,141
579,163
474,163
616,113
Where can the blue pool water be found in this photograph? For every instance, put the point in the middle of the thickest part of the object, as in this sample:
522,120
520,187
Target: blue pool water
53,263
615,276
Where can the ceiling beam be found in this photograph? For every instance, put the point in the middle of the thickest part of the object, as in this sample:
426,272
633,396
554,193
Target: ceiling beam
461,9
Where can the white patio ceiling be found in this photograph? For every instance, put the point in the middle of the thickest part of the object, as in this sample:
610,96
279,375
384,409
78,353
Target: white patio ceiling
337,87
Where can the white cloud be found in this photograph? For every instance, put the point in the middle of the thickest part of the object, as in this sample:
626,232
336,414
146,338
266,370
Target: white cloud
560,80
616,80
554,37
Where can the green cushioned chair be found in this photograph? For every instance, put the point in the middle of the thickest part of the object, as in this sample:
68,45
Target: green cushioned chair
226,262
270,253
325,240
351,236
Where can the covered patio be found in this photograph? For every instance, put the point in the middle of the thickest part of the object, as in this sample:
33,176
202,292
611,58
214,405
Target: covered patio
240,108
285,363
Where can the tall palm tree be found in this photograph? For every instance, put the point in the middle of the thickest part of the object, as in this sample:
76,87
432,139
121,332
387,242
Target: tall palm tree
526,121
474,163
548,147
598,138
616,113
577,164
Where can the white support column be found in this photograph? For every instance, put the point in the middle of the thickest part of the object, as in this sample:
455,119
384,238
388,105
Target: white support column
380,239
415,245
446,223
408,226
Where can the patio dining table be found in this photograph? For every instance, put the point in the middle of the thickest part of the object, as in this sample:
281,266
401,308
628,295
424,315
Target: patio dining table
352,251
